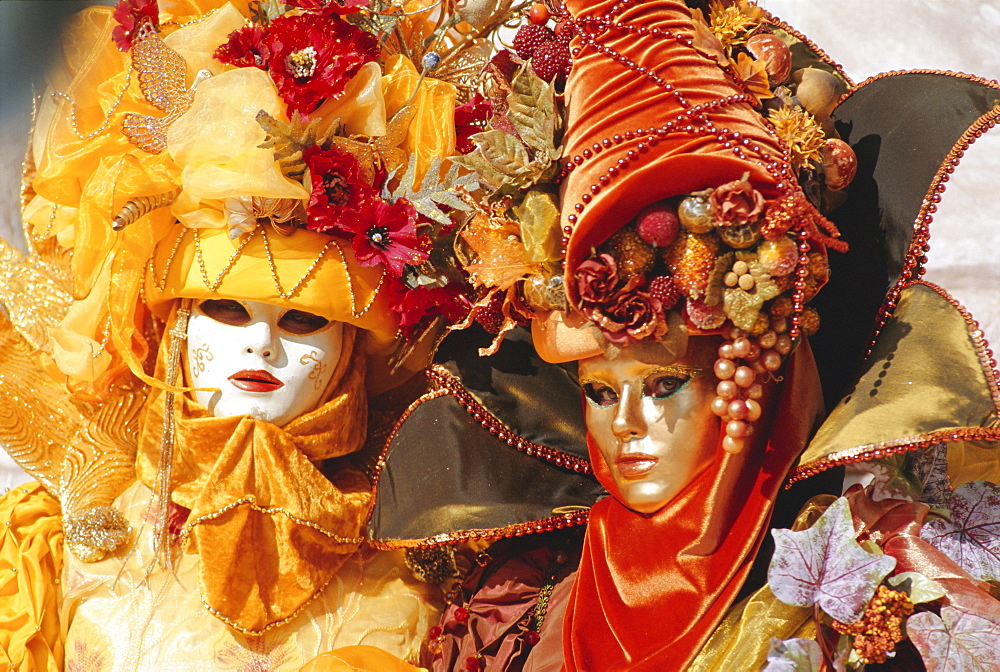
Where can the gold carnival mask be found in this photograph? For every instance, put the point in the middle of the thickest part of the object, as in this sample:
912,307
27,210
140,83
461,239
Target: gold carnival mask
651,418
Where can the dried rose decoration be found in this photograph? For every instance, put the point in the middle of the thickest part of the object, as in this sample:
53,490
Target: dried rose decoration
311,57
339,192
629,317
131,15
388,234
736,203
597,279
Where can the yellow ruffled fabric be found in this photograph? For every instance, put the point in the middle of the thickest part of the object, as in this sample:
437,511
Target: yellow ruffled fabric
31,560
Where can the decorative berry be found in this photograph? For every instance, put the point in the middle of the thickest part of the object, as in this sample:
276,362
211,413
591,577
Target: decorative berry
810,321
551,61
539,14
691,260
633,254
435,632
472,664
666,290
461,614
658,224
531,637
564,32
490,316
529,37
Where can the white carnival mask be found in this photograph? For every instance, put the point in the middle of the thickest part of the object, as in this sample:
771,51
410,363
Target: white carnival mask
270,362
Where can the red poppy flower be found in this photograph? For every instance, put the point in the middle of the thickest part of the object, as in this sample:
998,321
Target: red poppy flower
470,119
388,234
245,48
341,7
131,15
311,57
416,306
339,192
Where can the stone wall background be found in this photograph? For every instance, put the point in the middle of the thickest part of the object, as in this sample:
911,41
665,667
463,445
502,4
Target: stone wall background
865,36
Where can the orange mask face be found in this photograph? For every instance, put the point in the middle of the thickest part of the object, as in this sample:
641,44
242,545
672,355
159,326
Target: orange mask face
651,419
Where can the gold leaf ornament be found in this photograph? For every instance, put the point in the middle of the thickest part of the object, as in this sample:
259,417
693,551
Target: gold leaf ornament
506,162
435,191
742,306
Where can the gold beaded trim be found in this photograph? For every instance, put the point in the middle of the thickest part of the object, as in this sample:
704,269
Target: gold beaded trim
247,631
161,284
251,501
354,302
200,257
274,269
107,120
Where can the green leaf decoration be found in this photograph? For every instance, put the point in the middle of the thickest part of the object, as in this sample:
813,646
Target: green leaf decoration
290,140
434,190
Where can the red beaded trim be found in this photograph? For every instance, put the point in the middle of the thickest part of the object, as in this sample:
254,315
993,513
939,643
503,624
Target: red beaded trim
876,451
691,120
916,255
916,442
822,55
380,464
557,522
445,381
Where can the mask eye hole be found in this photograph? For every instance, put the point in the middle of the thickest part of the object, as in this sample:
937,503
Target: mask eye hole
226,311
300,323
600,394
663,385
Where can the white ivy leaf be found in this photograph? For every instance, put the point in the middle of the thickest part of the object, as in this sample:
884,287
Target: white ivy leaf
794,655
824,565
957,641
972,536
917,587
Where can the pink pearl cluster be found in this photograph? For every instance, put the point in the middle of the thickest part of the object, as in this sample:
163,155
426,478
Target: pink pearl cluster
745,363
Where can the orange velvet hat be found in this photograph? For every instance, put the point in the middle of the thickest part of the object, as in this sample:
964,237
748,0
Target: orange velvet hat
657,109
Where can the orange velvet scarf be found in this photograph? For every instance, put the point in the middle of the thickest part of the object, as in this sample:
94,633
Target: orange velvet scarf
652,588
270,529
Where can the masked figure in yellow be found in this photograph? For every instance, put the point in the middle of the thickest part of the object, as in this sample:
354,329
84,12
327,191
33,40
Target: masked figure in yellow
230,210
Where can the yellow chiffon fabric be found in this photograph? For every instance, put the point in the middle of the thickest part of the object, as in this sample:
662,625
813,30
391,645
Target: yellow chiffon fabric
31,560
